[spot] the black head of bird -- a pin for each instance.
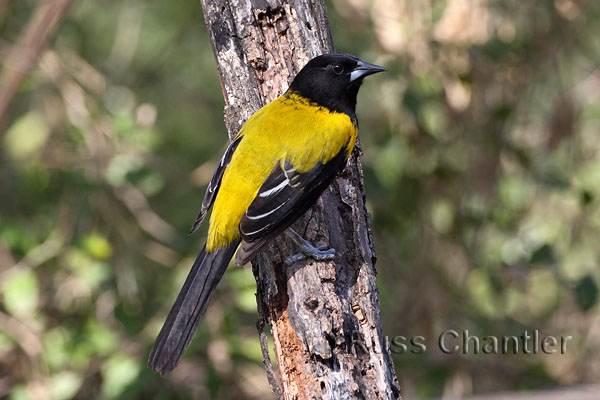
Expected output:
(332, 81)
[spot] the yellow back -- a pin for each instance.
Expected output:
(289, 128)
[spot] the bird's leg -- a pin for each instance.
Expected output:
(321, 253)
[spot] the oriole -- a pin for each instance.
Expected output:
(276, 167)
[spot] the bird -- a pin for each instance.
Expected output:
(276, 167)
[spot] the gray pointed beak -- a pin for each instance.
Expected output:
(363, 69)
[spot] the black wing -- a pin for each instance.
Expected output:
(283, 198)
(215, 182)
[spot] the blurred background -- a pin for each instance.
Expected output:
(482, 165)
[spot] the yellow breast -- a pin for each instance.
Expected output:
(289, 128)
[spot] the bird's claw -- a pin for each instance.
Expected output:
(319, 253)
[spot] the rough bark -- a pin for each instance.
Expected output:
(324, 316)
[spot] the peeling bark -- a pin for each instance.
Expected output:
(324, 316)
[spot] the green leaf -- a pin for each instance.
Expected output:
(433, 118)
(100, 339)
(26, 136)
(442, 216)
(390, 161)
(56, 353)
(543, 291)
(19, 392)
(588, 176)
(20, 292)
(64, 385)
(120, 166)
(91, 271)
(515, 192)
(482, 293)
(119, 372)
(98, 246)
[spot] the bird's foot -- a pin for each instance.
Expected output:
(320, 253)
(307, 250)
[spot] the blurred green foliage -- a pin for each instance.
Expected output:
(482, 166)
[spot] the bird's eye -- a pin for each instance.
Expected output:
(338, 69)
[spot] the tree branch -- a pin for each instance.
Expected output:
(26, 51)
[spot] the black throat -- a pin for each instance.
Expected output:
(333, 97)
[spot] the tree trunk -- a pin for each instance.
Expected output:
(324, 316)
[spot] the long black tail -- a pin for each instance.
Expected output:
(182, 321)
